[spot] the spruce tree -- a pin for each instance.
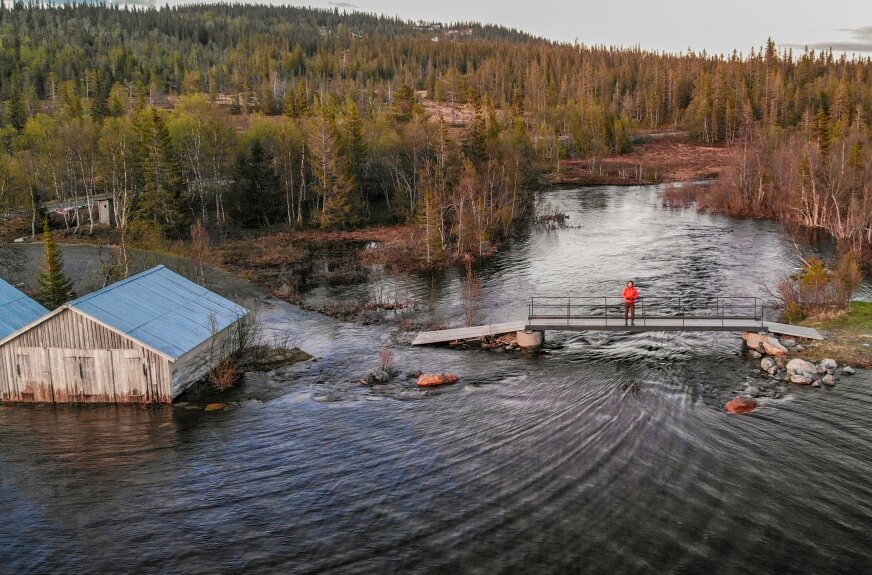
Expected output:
(55, 288)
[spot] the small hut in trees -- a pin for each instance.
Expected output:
(142, 340)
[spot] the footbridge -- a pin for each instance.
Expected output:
(604, 313)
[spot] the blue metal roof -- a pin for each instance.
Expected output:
(162, 310)
(16, 309)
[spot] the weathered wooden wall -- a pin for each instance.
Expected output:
(69, 358)
(195, 364)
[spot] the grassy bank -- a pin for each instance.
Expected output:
(848, 336)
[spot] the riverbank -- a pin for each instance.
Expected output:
(656, 159)
(848, 337)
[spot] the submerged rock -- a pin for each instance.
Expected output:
(740, 405)
(215, 407)
(434, 379)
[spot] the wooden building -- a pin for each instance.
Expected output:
(142, 340)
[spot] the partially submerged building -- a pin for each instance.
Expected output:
(145, 339)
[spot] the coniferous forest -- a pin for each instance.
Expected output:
(246, 117)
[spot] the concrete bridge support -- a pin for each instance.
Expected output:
(530, 339)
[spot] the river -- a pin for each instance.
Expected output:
(607, 454)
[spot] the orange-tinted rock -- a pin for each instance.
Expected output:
(433, 379)
(740, 405)
(215, 407)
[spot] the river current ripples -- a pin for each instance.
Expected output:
(610, 453)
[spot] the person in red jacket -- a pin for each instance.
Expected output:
(630, 295)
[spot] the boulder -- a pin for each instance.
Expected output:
(800, 366)
(740, 405)
(848, 370)
(829, 364)
(800, 349)
(800, 379)
(434, 379)
(769, 365)
(375, 376)
(828, 380)
(754, 340)
(772, 346)
(789, 343)
(815, 384)
(755, 354)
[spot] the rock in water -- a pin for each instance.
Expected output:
(829, 380)
(215, 407)
(377, 375)
(848, 370)
(434, 379)
(829, 364)
(740, 405)
(773, 347)
(754, 340)
(800, 366)
(800, 379)
(755, 354)
(769, 365)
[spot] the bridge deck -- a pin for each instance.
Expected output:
(615, 324)
(446, 335)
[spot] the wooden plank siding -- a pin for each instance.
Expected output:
(69, 358)
(196, 364)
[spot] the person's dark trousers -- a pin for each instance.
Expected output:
(630, 312)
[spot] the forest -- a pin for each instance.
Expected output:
(234, 118)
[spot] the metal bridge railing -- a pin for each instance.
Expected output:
(605, 307)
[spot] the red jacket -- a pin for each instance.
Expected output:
(630, 294)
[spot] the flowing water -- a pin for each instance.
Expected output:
(608, 454)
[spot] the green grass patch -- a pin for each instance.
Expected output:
(857, 318)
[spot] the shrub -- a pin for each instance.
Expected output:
(224, 375)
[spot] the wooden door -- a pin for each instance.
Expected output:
(130, 372)
(32, 375)
(88, 376)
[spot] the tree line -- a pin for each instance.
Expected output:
(244, 116)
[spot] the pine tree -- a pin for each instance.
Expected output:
(160, 200)
(55, 288)
(15, 111)
(354, 147)
(257, 188)
(404, 104)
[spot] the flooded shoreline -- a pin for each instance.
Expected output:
(609, 453)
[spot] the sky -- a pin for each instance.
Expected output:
(663, 25)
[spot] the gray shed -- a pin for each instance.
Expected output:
(142, 340)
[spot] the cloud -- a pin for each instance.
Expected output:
(860, 41)
(344, 5)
